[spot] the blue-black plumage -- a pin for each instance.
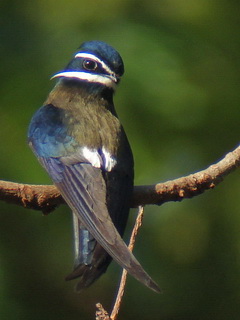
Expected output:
(79, 140)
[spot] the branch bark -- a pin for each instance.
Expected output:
(46, 197)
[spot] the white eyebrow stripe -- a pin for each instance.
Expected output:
(93, 57)
(108, 81)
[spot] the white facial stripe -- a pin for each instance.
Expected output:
(93, 57)
(108, 81)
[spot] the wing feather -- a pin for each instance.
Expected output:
(84, 189)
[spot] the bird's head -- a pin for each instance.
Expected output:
(95, 62)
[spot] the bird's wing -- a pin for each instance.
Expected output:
(83, 187)
(78, 173)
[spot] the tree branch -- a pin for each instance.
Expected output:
(101, 313)
(121, 289)
(46, 198)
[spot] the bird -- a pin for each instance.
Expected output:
(79, 140)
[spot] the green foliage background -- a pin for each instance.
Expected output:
(179, 103)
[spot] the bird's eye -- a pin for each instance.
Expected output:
(89, 64)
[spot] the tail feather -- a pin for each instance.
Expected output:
(87, 274)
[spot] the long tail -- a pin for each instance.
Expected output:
(91, 260)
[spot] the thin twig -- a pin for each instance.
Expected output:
(101, 313)
(121, 289)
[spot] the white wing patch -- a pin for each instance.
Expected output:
(105, 161)
(98, 159)
(92, 156)
(109, 160)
